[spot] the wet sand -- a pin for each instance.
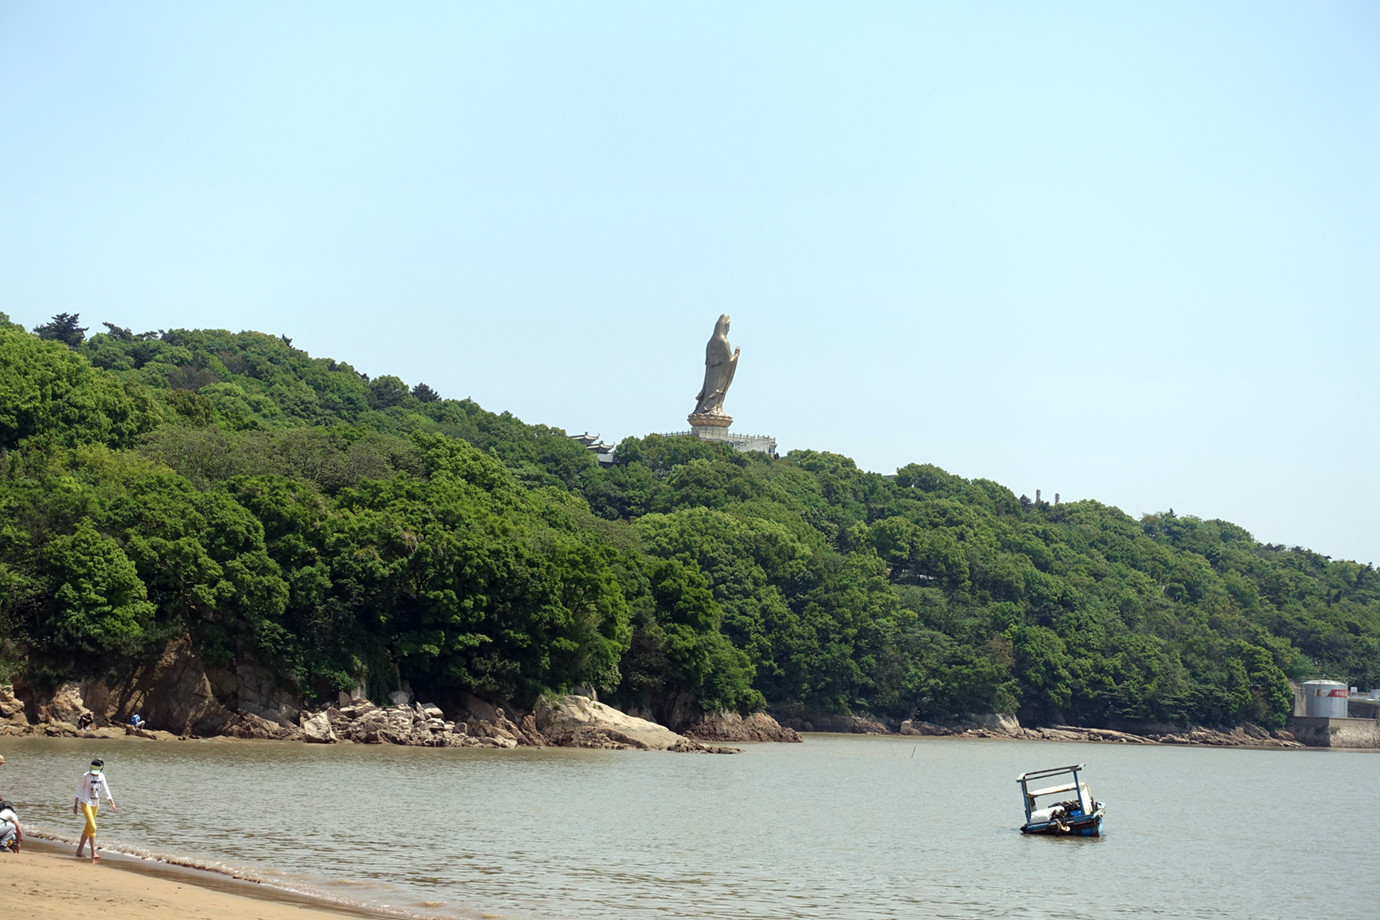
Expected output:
(46, 882)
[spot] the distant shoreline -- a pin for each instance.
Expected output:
(1247, 737)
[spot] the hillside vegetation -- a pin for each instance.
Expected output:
(287, 510)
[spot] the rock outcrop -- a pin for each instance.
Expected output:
(577, 721)
(416, 724)
(736, 729)
(13, 719)
(1242, 736)
(992, 725)
(252, 690)
(841, 723)
(174, 693)
(419, 725)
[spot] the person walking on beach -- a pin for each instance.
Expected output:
(89, 791)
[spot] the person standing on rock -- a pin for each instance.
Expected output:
(89, 790)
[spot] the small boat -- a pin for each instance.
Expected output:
(1051, 809)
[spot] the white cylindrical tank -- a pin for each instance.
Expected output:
(1324, 699)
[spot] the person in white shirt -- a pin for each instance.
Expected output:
(11, 834)
(89, 791)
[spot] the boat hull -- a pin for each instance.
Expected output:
(1089, 826)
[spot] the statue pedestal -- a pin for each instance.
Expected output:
(714, 427)
(711, 427)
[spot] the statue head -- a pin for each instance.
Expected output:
(721, 327)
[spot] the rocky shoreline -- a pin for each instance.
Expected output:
(181, 696)
(1243, 736)
(999, 726)
(565, 721)
(570, 721)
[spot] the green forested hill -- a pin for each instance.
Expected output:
(286, 509)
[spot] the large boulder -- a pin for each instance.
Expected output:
(316, 729)
(577, 721)
(993, 725)
(66, 704)
(13, 720)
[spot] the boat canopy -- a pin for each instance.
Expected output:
(1052, 771)
(1067, 787)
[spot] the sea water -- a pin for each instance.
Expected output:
(837, 828)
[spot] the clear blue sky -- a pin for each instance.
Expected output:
(1127, 252)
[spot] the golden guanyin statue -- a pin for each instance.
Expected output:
(719, 365)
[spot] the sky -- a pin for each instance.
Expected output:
(1111, 251)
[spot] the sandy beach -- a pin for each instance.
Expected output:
(46, 882)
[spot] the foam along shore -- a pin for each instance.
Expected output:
(45, 881)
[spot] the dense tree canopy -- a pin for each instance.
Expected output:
(50, 393)
(268, 506)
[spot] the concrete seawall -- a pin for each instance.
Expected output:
(1316, 731)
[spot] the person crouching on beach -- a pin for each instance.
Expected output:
(11, 833)
(89, 791)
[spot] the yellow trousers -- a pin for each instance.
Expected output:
(90, 812)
